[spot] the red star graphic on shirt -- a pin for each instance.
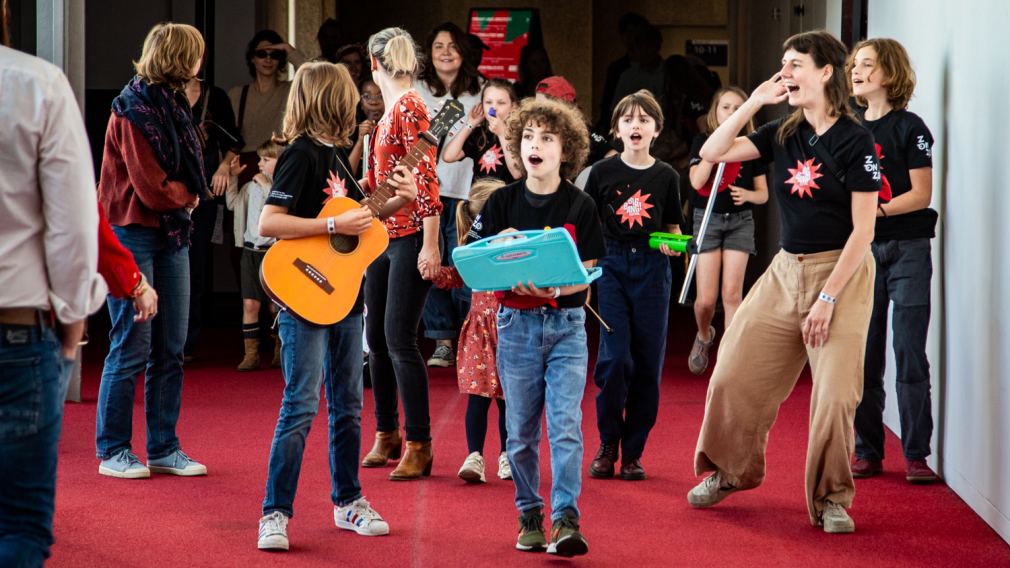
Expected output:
(635, 209)
(804, 177)
(491, 159)
(334, 188)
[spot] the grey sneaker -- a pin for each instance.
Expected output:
(472, 470)
(360, 517)
(273, 532)
(177, 463)
(836, 519)
(504, 468)
(697, 361)
(710, 491)
(125, 465)
(442, 357)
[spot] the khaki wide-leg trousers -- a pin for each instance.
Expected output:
(760, 359)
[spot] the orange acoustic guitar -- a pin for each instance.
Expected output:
(317, 278)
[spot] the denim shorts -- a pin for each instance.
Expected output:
(730, 231)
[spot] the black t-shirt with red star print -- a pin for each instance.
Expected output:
(724, 199)
(815, 206)
(632, 202)
(514, 206)
(307, 174)
(905, 144)
(484, 148)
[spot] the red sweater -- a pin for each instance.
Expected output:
(115, 262)
(133, 188)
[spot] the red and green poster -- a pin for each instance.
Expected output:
(506, 32)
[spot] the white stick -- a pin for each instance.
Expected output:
(699, 232)
(365, 147)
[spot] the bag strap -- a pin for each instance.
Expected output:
(241, 106)
(823, 155)
(348, 173)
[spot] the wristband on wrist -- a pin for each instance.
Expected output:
(557, 291)
(331, 225)
(824, 297)
(880, 208)
(140, 288)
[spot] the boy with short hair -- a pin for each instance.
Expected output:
(542, 349)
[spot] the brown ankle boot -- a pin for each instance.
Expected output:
(276, 363)
(251, 362)
(416, 462)
(388, 446)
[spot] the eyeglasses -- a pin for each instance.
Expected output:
(275, 55)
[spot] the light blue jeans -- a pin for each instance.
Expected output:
(542, 362)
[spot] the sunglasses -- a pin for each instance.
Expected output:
(275, 55)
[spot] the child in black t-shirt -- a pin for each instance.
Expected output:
(883, 82)
(483, 139)
(729, 237)
(313, 169)
(635, 195)
(542, 351)
(814, 301)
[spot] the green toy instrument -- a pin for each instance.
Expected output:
(677, 243)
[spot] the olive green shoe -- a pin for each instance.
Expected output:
(566, 540)
(531, 531)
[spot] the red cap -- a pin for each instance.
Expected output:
(557, 87)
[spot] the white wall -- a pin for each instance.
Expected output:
(962, 59)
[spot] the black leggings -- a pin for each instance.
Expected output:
(477, 408)
(394, 295)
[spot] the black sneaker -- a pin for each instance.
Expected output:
(531, 531)
(566, 540)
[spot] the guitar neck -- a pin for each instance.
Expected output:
(385, 191)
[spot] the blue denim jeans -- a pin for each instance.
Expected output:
(542, 362)
(904, 270)
(330, 355)
(443, 311)
(634, 299)
(31, 415)
(153, 347)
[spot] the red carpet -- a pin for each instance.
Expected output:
(228, 419)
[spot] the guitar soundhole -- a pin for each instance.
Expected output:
(344, 244)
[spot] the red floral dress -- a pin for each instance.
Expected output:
(476, 360)
(395, 135)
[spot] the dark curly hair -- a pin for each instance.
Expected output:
(555, 116)
(263, 35)
(467, 80)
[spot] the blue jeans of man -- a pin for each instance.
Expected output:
(443, 311)
(904, 270)
(31, 416)
(153, 347)
(542, 362)
(311, 355)
(394, 295)
(634, 299)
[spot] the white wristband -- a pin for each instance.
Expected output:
(824, 297)
(557, 291)
(331, 225)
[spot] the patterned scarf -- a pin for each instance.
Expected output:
(166, 120)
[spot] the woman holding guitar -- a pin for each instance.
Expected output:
(399, 280)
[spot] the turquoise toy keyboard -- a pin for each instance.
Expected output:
(545, 257)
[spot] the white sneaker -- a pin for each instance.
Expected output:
(273, 532)
(504, 469)
(360, 517)
(473, 469)
(836, 519)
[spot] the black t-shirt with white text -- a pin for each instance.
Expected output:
(514, 206)
(632, 202)
(306, 176)
(724, 199)
(815, 205)
(488, 156)
(905, 143)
